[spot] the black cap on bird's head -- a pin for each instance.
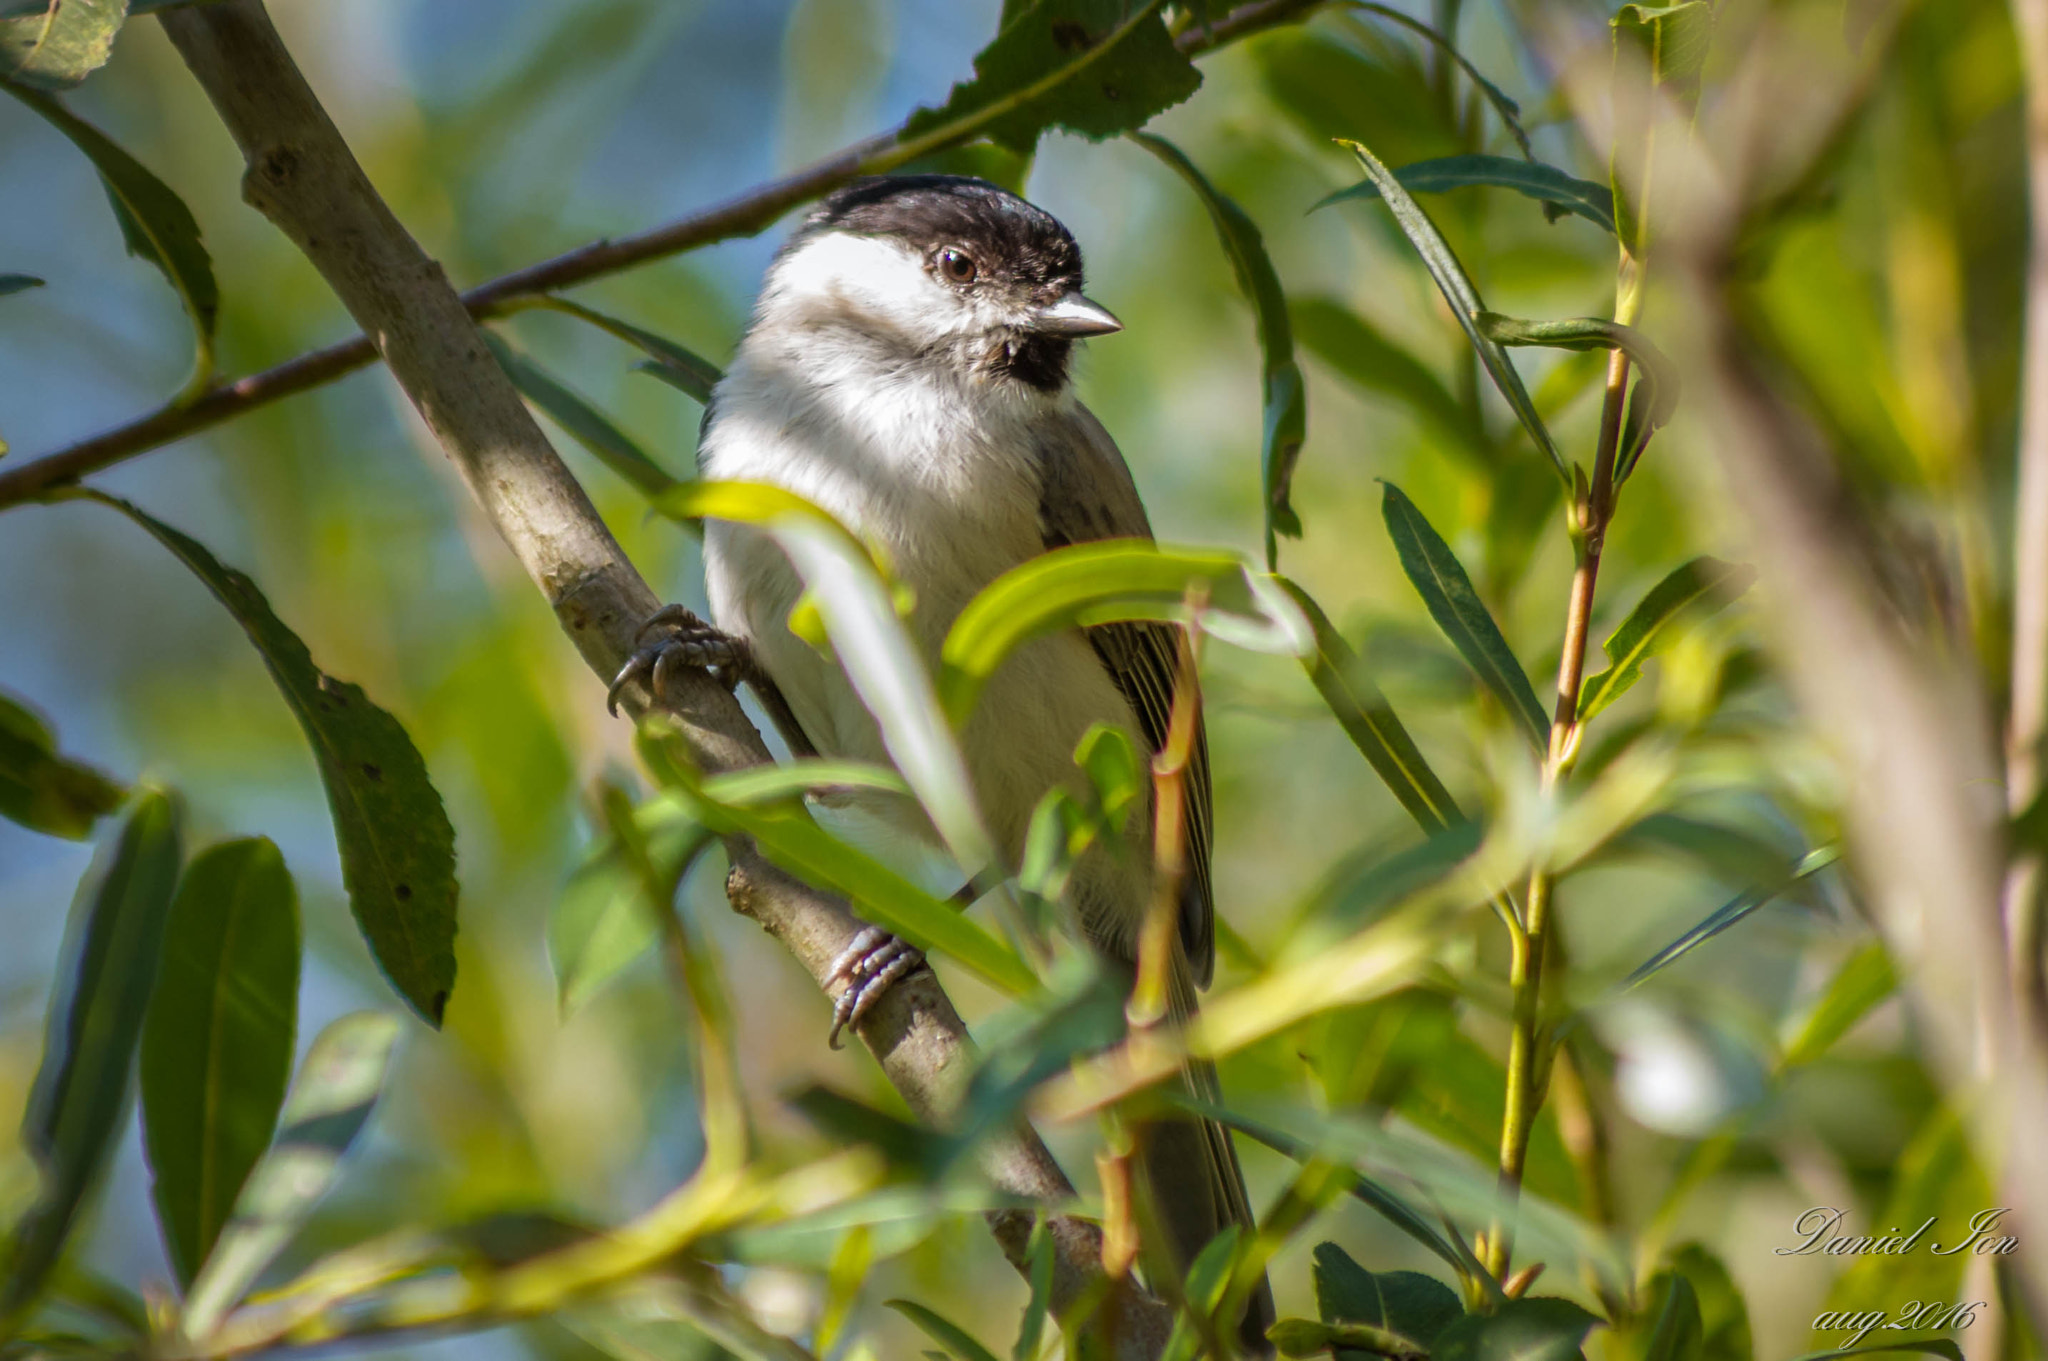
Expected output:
(1010, 265)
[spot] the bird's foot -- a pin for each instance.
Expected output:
(870, 966)
(684, 640)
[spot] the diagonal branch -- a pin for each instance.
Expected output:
(302, 176)
(751, 212)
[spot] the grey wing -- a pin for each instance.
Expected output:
(1086, 494)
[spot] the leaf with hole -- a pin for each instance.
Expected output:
(397, 847)
(1458, 291)
(77, 1106)
(573, 412)
(1533, 179)
(1285, 394)
(1690, 593)
(217, 1041)
(1445, 588)
(43, 790)
(55, 44)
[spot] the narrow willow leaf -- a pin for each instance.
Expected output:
(592, 428)
(604, 919)
(1095, 67)
(758, 785)
(42, 790)
(1865, 979)
(1106, 582)
(1509, 111)
(1691, 592)
(217, 1042)
(78, 1104)
(1370, 722)
(1285, 394)
(1735, 910)
(1040, 1261)
(1659, 52)
(1345, 1341)
(1458, 291)
(1541, 1328)
(1440, 579)
(330, 1103)
(681, 367)
(957, 1341)
(16, 283)
(397, 847)
(58, 43)
(1545, 183)
(1655, 397)
(154, 221)
(1354, 349)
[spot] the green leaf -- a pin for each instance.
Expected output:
(16, 283)
(397, 847)
(1286, 395)
(1370, 722)
(1095, 67)
(330, 1103)
(785, 780)
(1509, 111)
(1735, 910)
(59, 43)
(1440, 579)
(1346, 1341)
(1933, 1346)
(1356, 351)
(955, 1339)
(1691, 593)
(670, 362)
(1655, 397)
(1671, 1329)
(1458, 291)
(154, 221)
(1865, 979)
(77, 1106)
(1724, 1317)
(1545, 183)
(217, 1041)
(603, 920)
(40, 789)
(1105, 582)
(1404, 1302)
(592, 428)
(1541, 1328)
(1040, 1261)
(1659, 52)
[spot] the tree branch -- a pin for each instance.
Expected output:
(302, 176)
(751, 212)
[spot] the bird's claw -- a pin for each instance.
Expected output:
(685, 640)
(870, 966)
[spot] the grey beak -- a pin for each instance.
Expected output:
(1074, 315)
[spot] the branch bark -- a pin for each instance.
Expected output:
(749, 213)
(301, 175)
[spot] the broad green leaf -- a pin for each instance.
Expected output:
(1095, 67)
(1690, 593)
(672, 363)
(1458, 291)
(1040, 1261)
(1440, 579)
(1865, 979)
(1406, 1302)
(397, 847)
(603, 920)
(56, 44)
(957, 1341)
(1545, 183)
(1735, 910)
(592, 428)
(1370, 722)
(40, 789)
(1724, 1316)
(1345, 1341)
(869, 641)
(16, 283)
(1541, 1328)
(155, 223)
(1354, 349)
(1509, 111)
(217, 1041)
(329, 1104)
(1286, 396)
(1100, 583)
(78, 1104)
(1935, 1346)
(1655, 396)
(1670, 1329)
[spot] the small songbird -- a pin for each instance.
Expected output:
(909, 369)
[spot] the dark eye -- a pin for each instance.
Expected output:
(957, 265)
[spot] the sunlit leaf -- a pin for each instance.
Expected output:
(1688, 594)
(329, 1104)
(397, 847)
(1356, 350)
(217, 1042)
(1546, 183)
(154, 221)
(1285, 394)
(1095, 67)
(1540, 1328)
(76, 1108)
(592, 428)
(42, 790)
(58, 43)
(1655, 397)
(1100, 583)
(758, 785)
(957, 1341)
(1865, 979)
(1458, 291)
(1440, 579)
(1735, 910)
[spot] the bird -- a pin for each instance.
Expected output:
(908, 367)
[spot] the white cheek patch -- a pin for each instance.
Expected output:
(868, 281)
